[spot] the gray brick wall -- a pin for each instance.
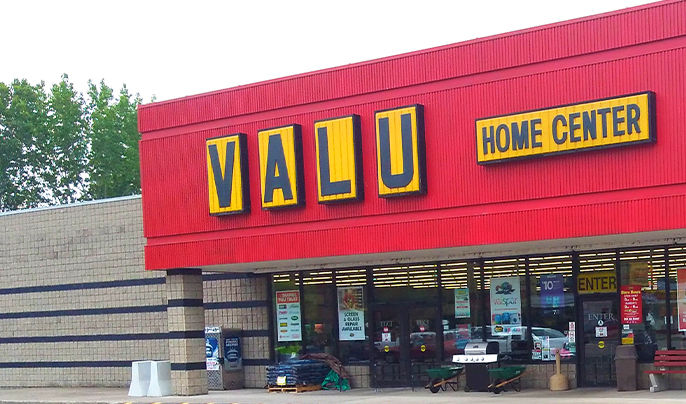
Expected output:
(67, 302)
(48, 315)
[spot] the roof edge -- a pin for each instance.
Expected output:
(414, 53)
(70, 205)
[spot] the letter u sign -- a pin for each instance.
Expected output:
(400, 151)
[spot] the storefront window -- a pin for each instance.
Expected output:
(506, 300)
(461, 311)
(352, 301)
(288, 316)
(645, 269)
(319, 312)
(551, 283)
(677, 261)
(528, 305)
(412, 284)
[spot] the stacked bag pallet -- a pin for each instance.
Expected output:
(297, 372)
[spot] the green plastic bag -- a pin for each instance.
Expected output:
(334, 382)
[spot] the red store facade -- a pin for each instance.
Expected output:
(409, 185)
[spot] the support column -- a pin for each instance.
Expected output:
(186, 319)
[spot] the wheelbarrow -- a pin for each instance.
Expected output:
(506, 377)
(443, 377)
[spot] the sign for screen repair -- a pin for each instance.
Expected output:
(596, 282)
(609, 122)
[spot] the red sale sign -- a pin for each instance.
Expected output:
(632, 304)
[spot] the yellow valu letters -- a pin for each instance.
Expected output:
(339, 175)
(604, 123)
(281, 172)
(400, 151)
(227, 174)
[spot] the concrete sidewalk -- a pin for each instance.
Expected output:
(357, 396)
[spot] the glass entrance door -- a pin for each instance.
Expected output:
(391, 362)
(424, 352)
(601, 330)
(405, 344)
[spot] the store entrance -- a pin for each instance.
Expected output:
(405, 344)
(600, 337)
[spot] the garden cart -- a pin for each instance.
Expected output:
(441, 378)
(506, 377)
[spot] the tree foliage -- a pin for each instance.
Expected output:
(113, 169)
(58, 147)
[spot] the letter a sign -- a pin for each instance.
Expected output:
(281, 167)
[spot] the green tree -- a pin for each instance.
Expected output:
(65, 148)
(113, 160)
(23, 129)
(57, 147)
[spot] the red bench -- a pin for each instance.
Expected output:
(666, 362)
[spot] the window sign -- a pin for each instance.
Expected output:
(596, 282)
(288, 316)
(681, 297)
(552, 290)
(351, 314)
(506, 306)
(601, 332)
(462, 303)
(632, 304)
(545, 351)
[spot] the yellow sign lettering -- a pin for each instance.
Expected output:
(604, 123)
(339, 175)
(281, 172)
(227, 174)
(400, 151)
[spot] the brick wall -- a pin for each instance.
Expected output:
(537, 376)
(242, 303)
(77, 306)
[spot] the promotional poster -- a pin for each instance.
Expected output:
(462, 303)
(506, 306)
(351, 314)
(288, 316)
(552, 290)
(211, 353)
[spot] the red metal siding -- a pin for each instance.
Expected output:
(598, 192)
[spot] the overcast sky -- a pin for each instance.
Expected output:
(171, 49)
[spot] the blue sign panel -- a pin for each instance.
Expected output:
(211, 348)
(552, 290)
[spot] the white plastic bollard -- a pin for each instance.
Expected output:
(160, 379)
(140, 378)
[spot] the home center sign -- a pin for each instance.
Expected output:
(609, 122)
